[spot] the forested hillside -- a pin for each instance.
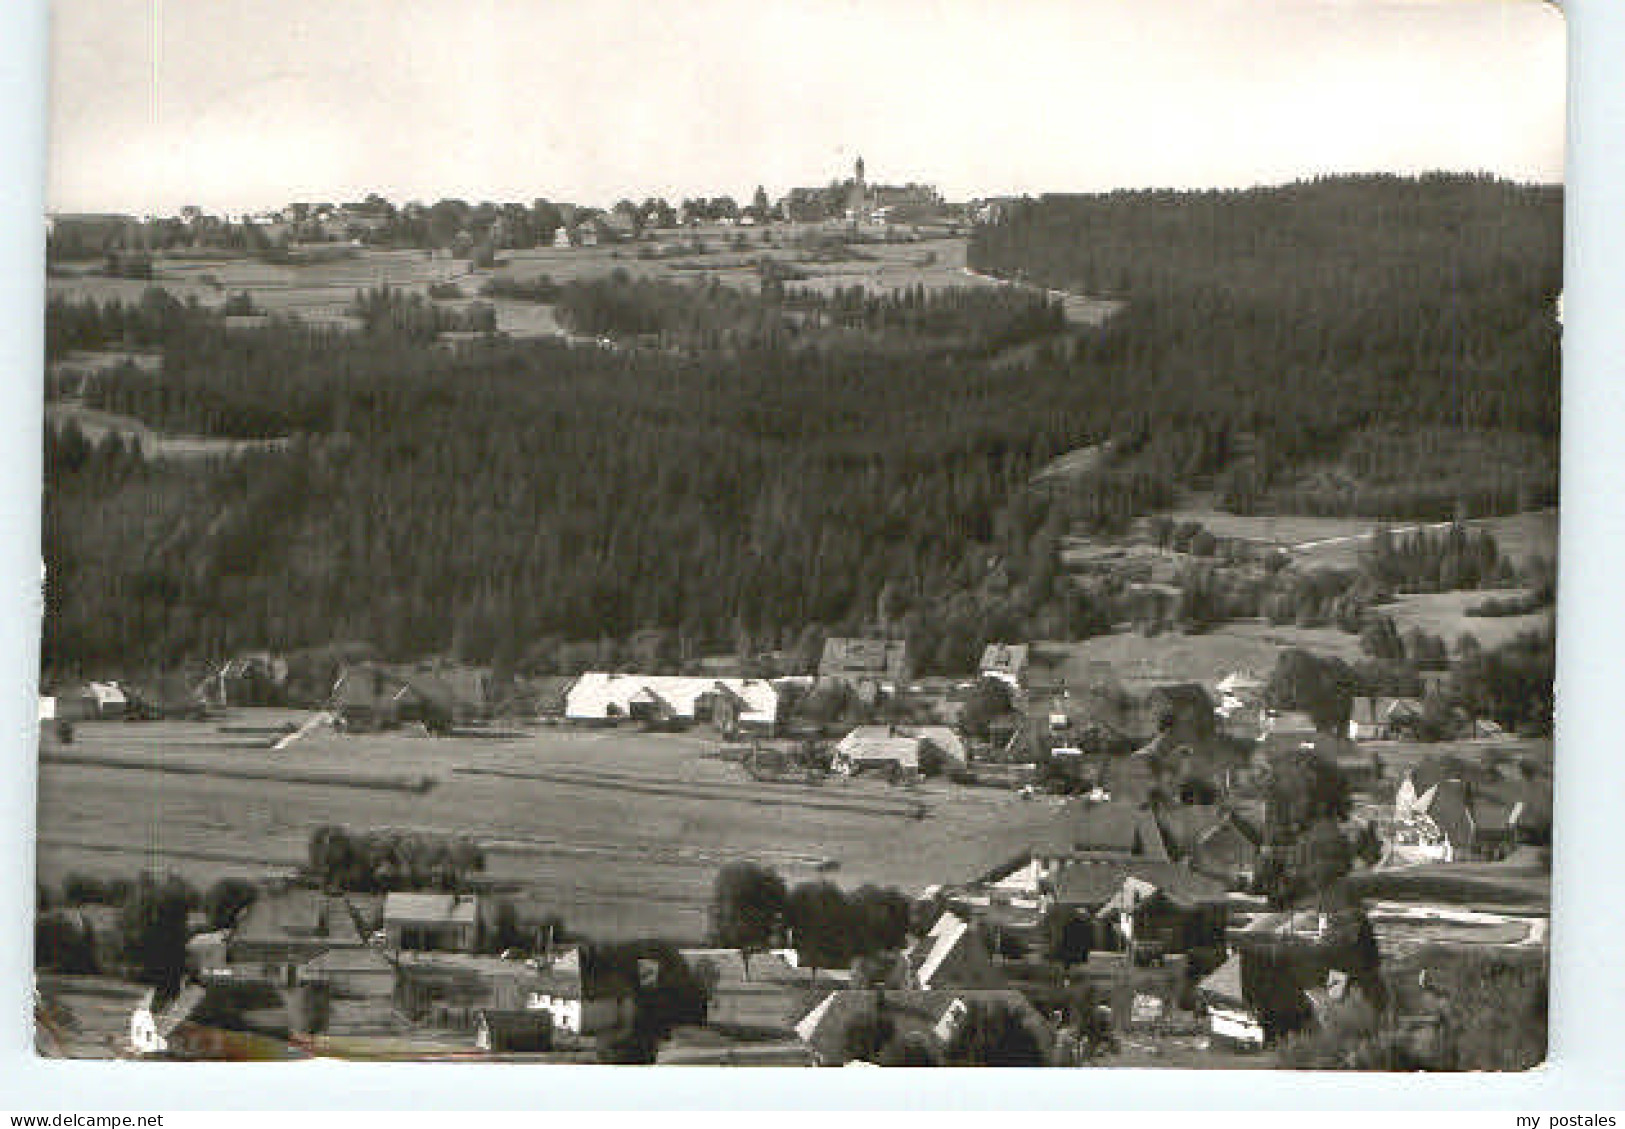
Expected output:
(1278, 325)
(509, 495)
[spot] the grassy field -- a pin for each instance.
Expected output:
(96, 425)
(1337, 542)
(322, 291)
(1445, 614)
(621, 832)
(1141, 662)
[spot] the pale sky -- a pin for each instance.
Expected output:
(244, 104)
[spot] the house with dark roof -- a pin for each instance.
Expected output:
(951, 955)
(1213, 840)
(869, 665)
(1091, 884)
(350, 974)
(1381, 719)
(1227, 850)
(934, 1016)
(283, 930)
(431, 922)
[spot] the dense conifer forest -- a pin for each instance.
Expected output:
(800, 462)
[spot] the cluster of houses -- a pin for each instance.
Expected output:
(324, 966)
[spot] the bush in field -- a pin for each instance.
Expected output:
(63, 945)
(1322, 687)
(226, 899)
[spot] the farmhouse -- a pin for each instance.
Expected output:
(1239, 690)
(431, 922)
(366, 696)
(1227, 850)
(1149, 922)
(447, 989)
(876, 748)
(1119, 885)
(736, 705)
(371, 695)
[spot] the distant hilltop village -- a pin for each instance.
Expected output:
(375, 221)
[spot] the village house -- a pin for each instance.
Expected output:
(578, 1002)
(1238, 690)
(373, 695)
(896, 749)
(431, 922)
(447, 990)
(1286, 726)
(1381, 719)
(281, 931)
(350, 974)
(1149, 923)
(1006, 662)
(509, 1031)
(951, 955)
(1227, 849)
(1232, 1021)
(874, 667)
(764, 996)
(95, 701)
(217, 1022)
(734, 705)
(879, 749)
(934, 1015)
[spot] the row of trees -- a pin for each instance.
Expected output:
(382, 860)
(153, 926)
(752, 908)
(1511, 684)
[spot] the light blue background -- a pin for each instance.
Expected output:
(1587, 1068)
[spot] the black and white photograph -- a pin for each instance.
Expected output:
(801, 533)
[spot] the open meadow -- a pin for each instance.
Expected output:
(1337, 542)
(322, 291)
(621, 831)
